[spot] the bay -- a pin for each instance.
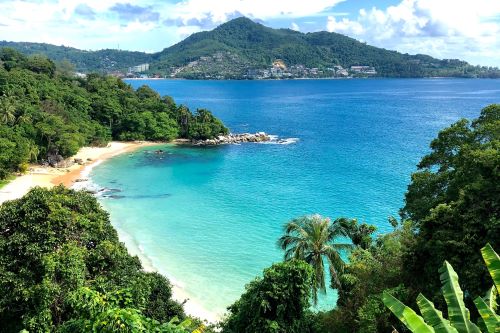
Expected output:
(208, 218)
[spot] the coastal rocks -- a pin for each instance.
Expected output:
(57, 161)
(233, 138)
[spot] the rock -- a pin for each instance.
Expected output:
(79, 180)
(78, 161)
(233, 138)
(57, 161)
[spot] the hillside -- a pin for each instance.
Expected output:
(102, 61)
(240, 45)
(243, 49)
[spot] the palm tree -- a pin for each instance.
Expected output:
(311, 238)
(7, 110)
(360, 234)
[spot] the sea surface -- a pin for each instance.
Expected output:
(208, 218)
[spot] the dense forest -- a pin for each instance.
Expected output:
(46, 114)
(101, 61)
(240, 45)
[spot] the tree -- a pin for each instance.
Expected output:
(312, 239)
(278, 302)
(360, 234)
(55, 242)
(7, 110)
(453, 203)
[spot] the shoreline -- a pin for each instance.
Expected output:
(191, 307)
(48, 177)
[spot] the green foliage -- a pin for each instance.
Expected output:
(368, 273)
(459, 321)
(56, 243)
(48, 117)
(102, 61)
(453, 202)
(312, 239)
(112, 312)
(278, 302)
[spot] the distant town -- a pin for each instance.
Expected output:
(200, 69)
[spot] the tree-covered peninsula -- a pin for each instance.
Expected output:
(46, 113)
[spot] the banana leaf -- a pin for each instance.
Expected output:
(492, 261)
(434, 317)
(413, 321)
(490, 319)
(491, 298)
(458, 314)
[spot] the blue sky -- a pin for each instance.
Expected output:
(461, 29)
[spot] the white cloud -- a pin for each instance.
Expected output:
(444, 28)
(294, 26)
(221, 10)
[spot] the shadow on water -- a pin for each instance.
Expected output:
(115, 193)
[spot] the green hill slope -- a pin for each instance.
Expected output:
(241, 44)
(103, 61)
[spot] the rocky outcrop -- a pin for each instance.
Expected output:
(233, 138)
(57, 161)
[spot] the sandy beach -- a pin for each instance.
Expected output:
(49, 177)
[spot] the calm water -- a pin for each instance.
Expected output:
(208, 218)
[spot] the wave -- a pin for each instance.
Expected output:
(276, 140)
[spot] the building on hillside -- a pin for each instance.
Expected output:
(139, 68)
(363, 70)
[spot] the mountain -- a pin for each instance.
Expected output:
(85, 61)
(242, 49)
(241, 44)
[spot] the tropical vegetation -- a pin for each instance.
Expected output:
(63, 269)
(432, 320)
(312, 239)
(46, 115)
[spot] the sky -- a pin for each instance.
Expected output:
(452, 29)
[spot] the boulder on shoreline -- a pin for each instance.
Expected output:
(233, 138)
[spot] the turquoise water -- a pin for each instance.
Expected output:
(209, 218)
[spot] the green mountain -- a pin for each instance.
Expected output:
(102, 61)
(242, 49)
(241, 44)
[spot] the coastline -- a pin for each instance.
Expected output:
(191, 307)
(49, 177)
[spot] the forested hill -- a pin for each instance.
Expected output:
(243, 49)
(46, 114)
(102, 61)
(241, 44)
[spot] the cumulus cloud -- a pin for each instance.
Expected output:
(445, 28)
(294, 26)
(220, 11)
(85, 11)
(128, 12)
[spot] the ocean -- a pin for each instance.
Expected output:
(208, 218)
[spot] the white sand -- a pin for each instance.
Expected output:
(49, 177)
